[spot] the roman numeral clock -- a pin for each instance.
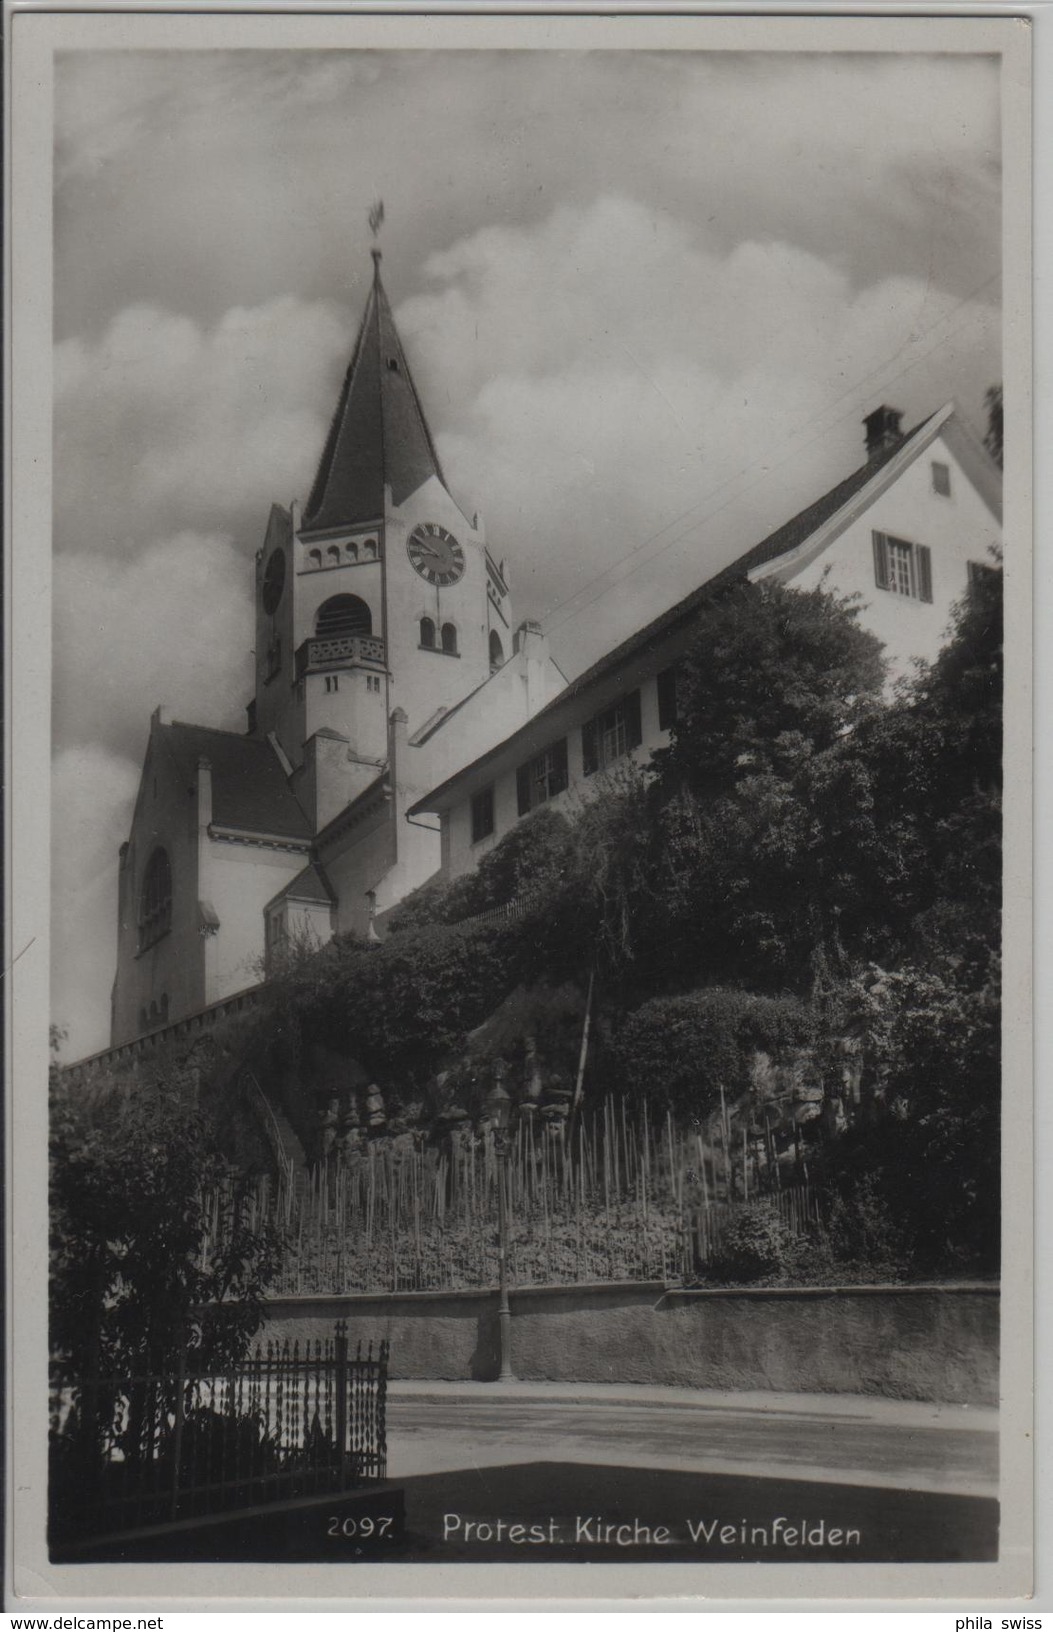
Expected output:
(435, 554)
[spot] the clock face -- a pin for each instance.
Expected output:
(273, 581)
(435, 554)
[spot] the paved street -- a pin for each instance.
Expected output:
(599, 1471)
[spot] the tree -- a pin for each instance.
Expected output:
(139, 1273)
(771, 673)
(763, 794)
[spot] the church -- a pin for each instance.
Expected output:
(403, 721)
(387, 655)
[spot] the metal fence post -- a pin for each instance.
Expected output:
(177, 1433)
(341, 1385)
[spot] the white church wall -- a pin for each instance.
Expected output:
(424, 680)
(242, 879)
(167, 975)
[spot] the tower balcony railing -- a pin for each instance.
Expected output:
(339, 652)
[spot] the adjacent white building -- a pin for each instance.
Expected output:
(905, 532)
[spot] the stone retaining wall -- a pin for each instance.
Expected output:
(904, 1342)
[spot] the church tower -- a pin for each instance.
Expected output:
(385, 658)
(379, 596)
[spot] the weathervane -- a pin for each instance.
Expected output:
(376, 218)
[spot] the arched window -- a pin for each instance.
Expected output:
(427, 633)
(315, 557)
(449, 637)
(352, 551)
(369, 550)
(497, 651)
(343, 615)
(333, 552)
(155, 899)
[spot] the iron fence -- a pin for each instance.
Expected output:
(292, 1420)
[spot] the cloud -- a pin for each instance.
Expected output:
(200, 179)
(646, 297)
(174, 625)
(92, 792)
(611, 379)
(162, 423)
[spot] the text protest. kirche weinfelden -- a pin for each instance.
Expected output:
(594, 1530)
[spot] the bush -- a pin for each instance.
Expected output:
(756, 1248)
(678, 1052)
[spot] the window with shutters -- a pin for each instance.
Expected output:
(482, 814)
(666, 685)
(902, 568)
(611, 734)
(541, 778)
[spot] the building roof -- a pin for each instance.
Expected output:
(783, 541)
(788, 537)
(378, 435)
(249, 789)
(308, 885)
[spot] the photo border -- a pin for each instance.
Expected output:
(33, 33)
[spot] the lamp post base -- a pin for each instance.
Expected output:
(504, 1336)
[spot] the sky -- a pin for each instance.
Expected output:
(647, 299)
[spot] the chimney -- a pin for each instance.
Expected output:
(532, 644)
(883, 432)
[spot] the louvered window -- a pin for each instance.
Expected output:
(611, 734)
(902, 568)
(343, 615)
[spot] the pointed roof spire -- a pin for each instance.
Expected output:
(379, 434)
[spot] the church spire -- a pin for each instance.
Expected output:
(379, 435)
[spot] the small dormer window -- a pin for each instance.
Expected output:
(393, 365)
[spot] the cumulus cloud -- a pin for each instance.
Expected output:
(647, 299)
(162, 423)
(174, 625)
(613, 381)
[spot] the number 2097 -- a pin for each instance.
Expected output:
(364, 1527)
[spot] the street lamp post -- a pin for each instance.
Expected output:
(499, 1109)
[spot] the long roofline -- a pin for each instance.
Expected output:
(860, 487)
